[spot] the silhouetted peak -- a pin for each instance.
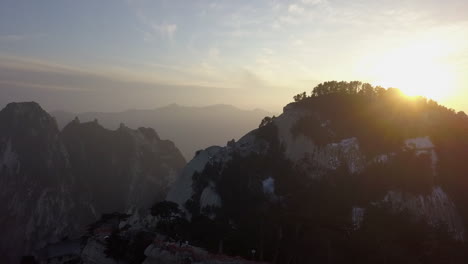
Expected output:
(76, 125)
(92, 124)
(149, 133)
(26, 114)
(24, 108)
(123, 128)
(171, 106)
(222, 107)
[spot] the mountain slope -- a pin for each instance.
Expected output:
(52, 183)
(352, 174)
(192, 128)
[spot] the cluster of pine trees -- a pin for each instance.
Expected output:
(353, 87)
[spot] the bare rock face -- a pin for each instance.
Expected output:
(36, 199)
(52, 183)
(435, 207)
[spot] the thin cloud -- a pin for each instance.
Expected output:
(313, 2)
(18, 37)
(165, 30)
(35, 65)
(153, 29)
(295, 9)
(213, 53)
(11, 38)
(42, 86)
(298, 42)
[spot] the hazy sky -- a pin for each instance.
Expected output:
(104, 55)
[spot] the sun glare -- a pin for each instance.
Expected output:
(417, 71)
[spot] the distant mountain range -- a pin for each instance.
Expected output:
(190, 128)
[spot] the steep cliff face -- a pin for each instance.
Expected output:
(52, 183)
(324, 167)
(36, 196)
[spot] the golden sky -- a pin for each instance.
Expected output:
(253, 54)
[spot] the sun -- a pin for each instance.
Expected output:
(416, 70)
